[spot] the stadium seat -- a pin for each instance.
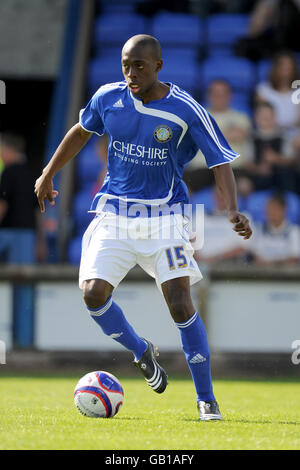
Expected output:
(239, 72)
(218, 52)
(112, 29)
(206, 196)
(107, 68)
(81, 206)
(74, 250)
(103, 70)
(185, 76)
(257, 203)
(223, 30)
(243, 203)
(180, 29)
(89, 166)
(242, 102)
(104, 52)
(262, 70)
(180, 54)
(293, 207)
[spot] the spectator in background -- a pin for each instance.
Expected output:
(273, 164)
(245, 187)
(220, 242)
(235, 126)
(21, 231)
(274, 24)
(277, 241)
(278, 91)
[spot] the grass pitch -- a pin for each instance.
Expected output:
(38, 413)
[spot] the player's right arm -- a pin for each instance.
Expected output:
(70, 146)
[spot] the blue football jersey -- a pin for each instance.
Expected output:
(149, 144)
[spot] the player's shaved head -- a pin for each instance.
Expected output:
(143, 41)
(141, 63)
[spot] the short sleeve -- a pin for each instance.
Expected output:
(90, 117)
(207, 136)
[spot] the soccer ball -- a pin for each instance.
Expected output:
(98, 394)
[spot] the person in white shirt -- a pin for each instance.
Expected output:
(277, 241)
(278, 91)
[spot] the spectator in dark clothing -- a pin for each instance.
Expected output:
(21, 233)
(278, 90)
(274, 25)
(205, 8)
(273, 163)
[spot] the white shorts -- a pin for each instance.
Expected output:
(112, 245)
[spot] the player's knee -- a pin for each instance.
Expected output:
(96, 292)
(180, 307)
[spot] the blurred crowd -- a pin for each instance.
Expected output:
(267, 171)
(267, 139)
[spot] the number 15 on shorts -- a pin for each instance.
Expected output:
(176, 258)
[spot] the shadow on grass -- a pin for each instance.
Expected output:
(244, 421)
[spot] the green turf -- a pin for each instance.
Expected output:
(38, 413)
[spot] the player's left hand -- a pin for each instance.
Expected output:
(241, 224)
(44, 190)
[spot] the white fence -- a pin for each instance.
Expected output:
(241, 315)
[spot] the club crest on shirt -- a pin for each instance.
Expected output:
(163, 133)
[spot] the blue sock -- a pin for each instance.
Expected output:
(196, 350)
(114, 324)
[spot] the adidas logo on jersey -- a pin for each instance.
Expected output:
(118, 104)
(196, 359)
